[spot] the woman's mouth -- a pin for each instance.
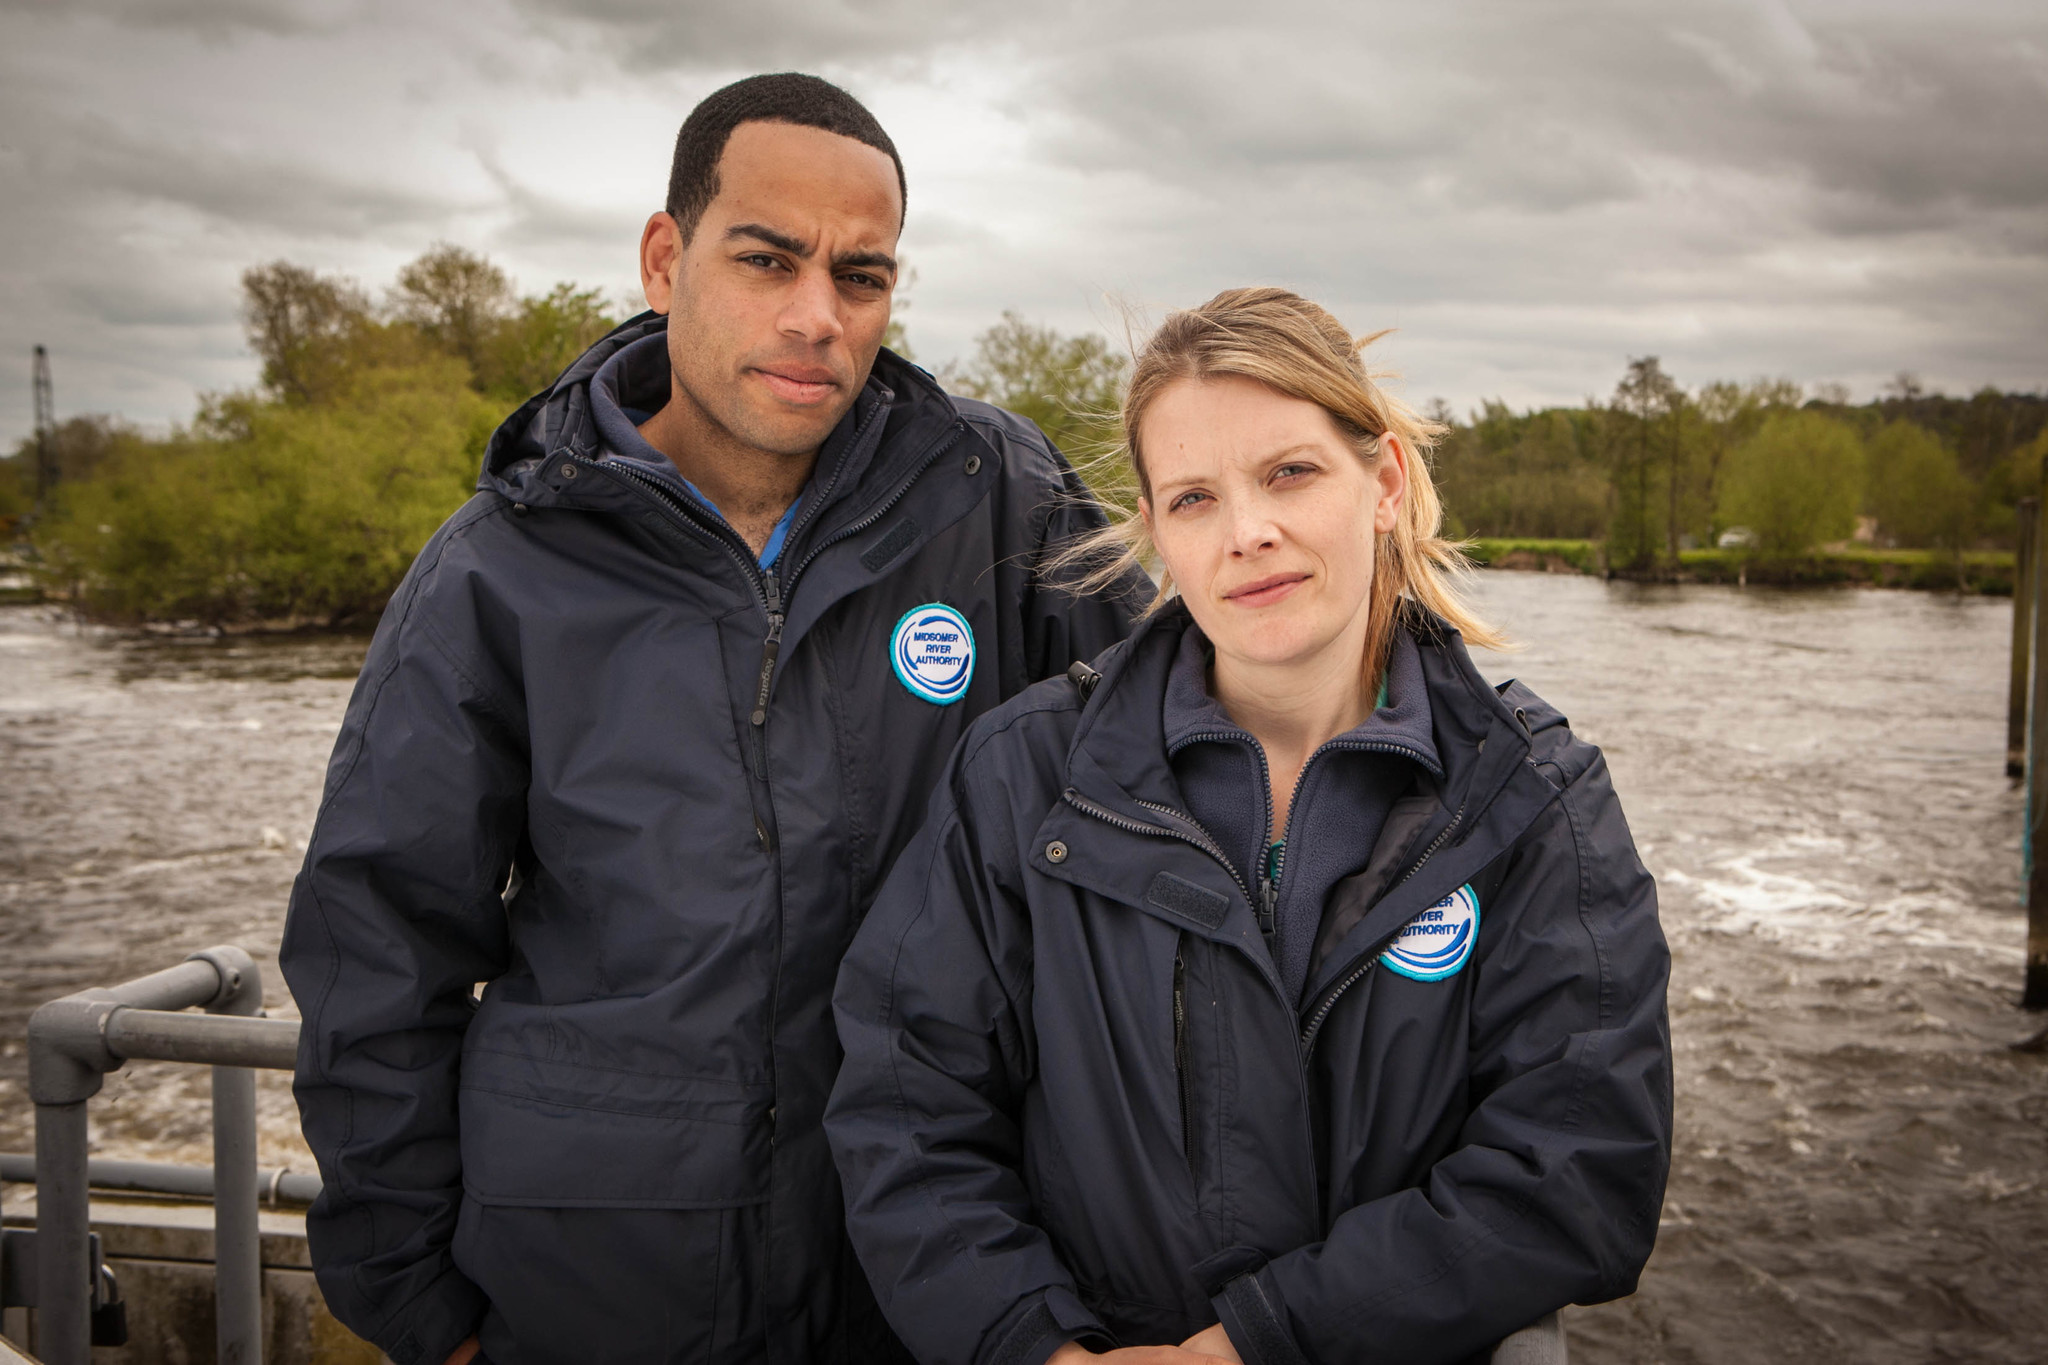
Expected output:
(1264, 592)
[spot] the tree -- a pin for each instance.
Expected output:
(300, 324)
(1731, 414)
(1533, 474)
(1919, 493)
(457, 299)
(1795, 483)
(543, 336)
(1070, 386)
(1644, 399)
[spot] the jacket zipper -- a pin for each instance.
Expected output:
(771, 589)
(1180, 1057)
(1267, 902)
(1371, 955)
(774, 593)
(1199, 837)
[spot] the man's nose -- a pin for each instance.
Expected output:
(812, 311)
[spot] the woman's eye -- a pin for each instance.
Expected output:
(1287, 471)
(1187, 500)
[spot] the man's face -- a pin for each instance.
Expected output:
(778, 303)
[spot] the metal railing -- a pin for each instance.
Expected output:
(72, 1044)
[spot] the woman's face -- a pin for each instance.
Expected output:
(1265, 516)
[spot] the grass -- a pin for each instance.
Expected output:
(1983, 571)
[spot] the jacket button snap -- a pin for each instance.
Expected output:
(1055, 852)
(568, 471)
(973, 465)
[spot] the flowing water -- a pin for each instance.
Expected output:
(1815, 778)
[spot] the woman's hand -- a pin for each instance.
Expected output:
(1212, 1343)
(1074, 1353)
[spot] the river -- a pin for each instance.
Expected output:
(1816, 778)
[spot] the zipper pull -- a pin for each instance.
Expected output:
(1269, 902)
(770, 647)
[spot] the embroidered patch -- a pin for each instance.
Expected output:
(1437, 942)
(932, 652)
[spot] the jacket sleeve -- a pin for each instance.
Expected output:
(933, 1011)
(394, 918)
(1553, 1193)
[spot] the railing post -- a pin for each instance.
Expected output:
(63, 1227)
(2022, 632)
(237, 1235)
(2035, 995)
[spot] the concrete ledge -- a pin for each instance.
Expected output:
(161, 1252)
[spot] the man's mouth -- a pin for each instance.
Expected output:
(1264, 592)
(799, 384)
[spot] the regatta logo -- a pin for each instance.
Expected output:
(1437, 942)
(932, 652)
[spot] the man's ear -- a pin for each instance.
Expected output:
(1392, 478)
(661, 251)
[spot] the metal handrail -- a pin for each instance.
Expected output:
(72, 1044)
(273, 1187)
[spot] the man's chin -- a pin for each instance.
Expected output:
(791, 433)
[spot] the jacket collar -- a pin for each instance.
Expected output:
(1120, 788)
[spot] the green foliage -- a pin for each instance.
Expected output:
(539, 339)
(1552, 555)
(1919, 493)
(457, 300)
(1796, 483)
(1534, 475)
(17, 493)
(306, 501)
(312, 514)
(306, 328)
(1070, 386)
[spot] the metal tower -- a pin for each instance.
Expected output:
(46, 429)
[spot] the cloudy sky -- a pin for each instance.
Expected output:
(1530, 191)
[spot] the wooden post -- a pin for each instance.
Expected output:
(2022, 631)
(2035, 995)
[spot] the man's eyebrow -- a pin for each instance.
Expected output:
(782, 241)
(873, 260)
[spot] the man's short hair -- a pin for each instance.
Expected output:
(785, 97)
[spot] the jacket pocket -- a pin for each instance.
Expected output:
(550, 1132)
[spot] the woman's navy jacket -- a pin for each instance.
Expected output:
(575, 686)
(1075, 1102)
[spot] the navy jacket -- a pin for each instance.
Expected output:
(1077, 1103)
(598, 760)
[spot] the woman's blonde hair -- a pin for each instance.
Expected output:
(1296, 348)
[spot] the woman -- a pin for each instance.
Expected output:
(1282, 991)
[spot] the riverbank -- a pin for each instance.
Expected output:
(1983, 572)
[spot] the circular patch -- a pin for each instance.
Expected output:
(1437, 942)
(932, 651)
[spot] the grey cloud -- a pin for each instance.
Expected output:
(769, 34)
(212, 19)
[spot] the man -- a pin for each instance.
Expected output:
(635, 743)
